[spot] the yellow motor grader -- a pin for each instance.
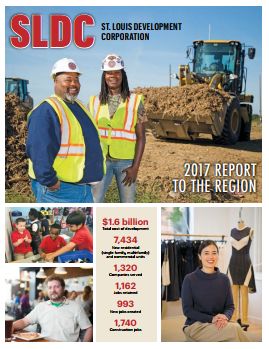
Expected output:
(221, 65)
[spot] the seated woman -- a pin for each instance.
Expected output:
(208, 303)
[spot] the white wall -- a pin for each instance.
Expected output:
(255, 302)
(209, 220)
(220, 220)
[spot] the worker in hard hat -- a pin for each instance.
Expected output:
(120, 117)
(63, 144)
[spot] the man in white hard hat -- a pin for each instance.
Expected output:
(120, 117)
(63, 143)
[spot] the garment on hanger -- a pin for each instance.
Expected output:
(165, 269)
(184, 252)
(183, 259)
(172, 291)
(240, 268)
(223, 259)
(195, 247)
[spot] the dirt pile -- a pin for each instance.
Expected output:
(16, 161)
(191, 102)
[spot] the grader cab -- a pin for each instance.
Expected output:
(19, 87)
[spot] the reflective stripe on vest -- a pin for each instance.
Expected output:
(96, 106)
(66, 148)
(117, 134)
(129, 119)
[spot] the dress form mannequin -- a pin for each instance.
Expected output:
(241, 271)
(240, 294)
(241, 224)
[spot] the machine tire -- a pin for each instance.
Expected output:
(232, 124)
(246, 127)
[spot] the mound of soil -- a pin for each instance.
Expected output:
(195, 102)
(16, 165)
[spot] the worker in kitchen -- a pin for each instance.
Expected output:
(59, 318)
(63, 143)
(82, 239)
(121, 119)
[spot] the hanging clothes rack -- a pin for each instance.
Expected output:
(196, 235)
(183, 256)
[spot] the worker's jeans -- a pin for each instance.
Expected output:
(67, 192)
(115, 168)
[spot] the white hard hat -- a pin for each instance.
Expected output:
(64, 65)
(112, 62)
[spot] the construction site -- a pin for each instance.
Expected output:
(208, 118)
(161, 162)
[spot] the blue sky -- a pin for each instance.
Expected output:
(147, 62)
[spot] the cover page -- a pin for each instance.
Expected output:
(132, 209)
(183, 123)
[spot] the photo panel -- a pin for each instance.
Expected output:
(211, 274)
(49, 234)
(48, 304)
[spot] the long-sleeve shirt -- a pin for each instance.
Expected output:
(44, 140)
(206, 295)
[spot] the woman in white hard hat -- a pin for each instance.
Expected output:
(120, 117)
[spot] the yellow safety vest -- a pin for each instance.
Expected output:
(117, 133)
(70, 161)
